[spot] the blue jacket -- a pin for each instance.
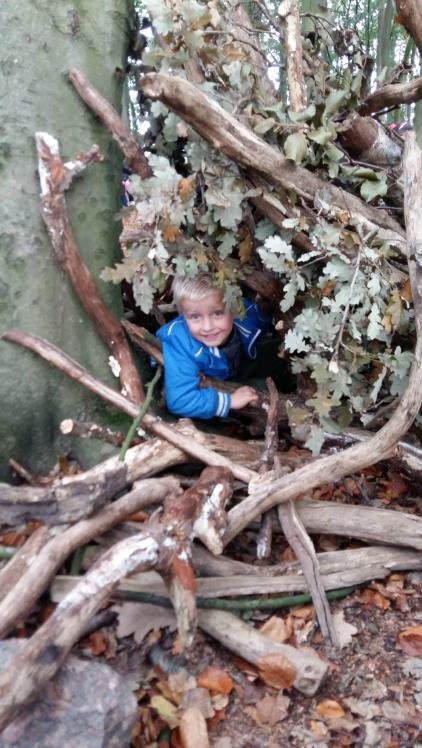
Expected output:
(185, 358)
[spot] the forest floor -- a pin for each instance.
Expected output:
(372, 695)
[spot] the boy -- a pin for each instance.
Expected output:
(207, 338)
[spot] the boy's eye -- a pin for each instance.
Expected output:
(219, 313)
(194, 316)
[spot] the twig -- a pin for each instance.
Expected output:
(147, 402)
(264, 542)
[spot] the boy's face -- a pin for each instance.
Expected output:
(207, 319)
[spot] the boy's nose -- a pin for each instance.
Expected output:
(207, 323)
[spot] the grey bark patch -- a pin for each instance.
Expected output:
(86, 705)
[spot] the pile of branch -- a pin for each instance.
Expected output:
(75, 510)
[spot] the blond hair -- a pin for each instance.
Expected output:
(193, 289)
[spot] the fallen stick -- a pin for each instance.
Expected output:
(304, 550)
(41, 656)
(361, 522)
(55, 178)
(23, 595)
(292, 666)
(76, 496)
(354, 570)
(264, 539)
(389, 557)
(161, 545)
(88, 430)
(24, 557)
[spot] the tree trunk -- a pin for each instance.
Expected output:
(43, 41)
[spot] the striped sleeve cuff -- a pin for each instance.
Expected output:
(223, 404)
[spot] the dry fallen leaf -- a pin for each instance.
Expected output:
(193, 729)
(276, 670)
(181, 681)
(215, 680)
(200, 698)
(330, 709)
(277, 629)
(166, 710)
(138, 619)
(370, 599)
(272, 709)
(344, 630)
(401, 713)
(411, 640)
(304, 612)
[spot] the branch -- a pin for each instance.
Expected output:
(410, 13)
(62, 361)
(21, 598)
(162, 545)
(289, 12)
(384, 443)
(238, 142)
(54, 178)
(392, 96)
(127, 143)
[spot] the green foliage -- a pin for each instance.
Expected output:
(348, 319)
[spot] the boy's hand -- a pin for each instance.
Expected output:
(242, 397)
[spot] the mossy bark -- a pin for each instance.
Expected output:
(44, 40)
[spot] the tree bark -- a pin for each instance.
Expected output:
(410, 12)
(46, 40)
(366, 140)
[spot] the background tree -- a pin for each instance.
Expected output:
(43, 41)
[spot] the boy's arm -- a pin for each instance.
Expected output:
(183, 394)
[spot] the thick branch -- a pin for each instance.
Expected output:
(384, 443)
(53, 208)
(164, 546)
(127, 143)
(19, 601)
(76, 496)
(410, 12)
(259, 649)
(365, 139)
(289, 12)
(237, 141)
(391, 96)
